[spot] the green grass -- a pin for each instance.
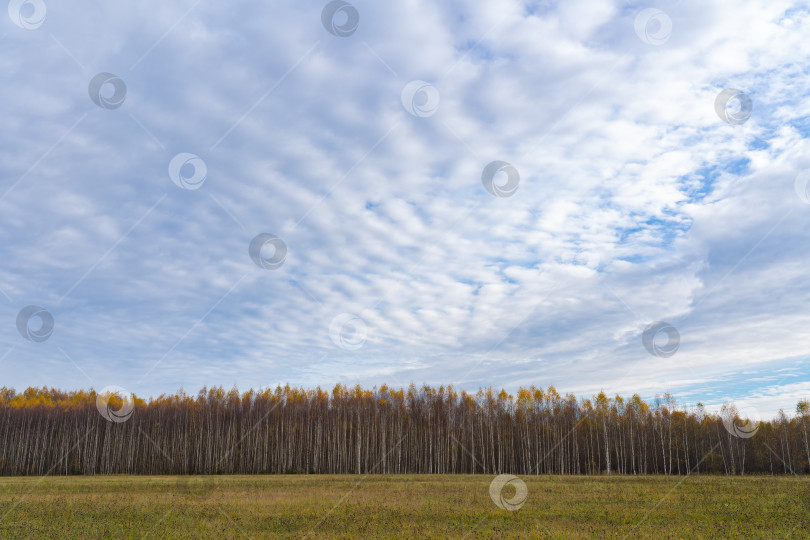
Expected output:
(389, 506)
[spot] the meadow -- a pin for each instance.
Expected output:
(402, 506)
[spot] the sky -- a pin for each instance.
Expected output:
(587, 194)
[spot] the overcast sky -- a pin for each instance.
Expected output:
(147, 146)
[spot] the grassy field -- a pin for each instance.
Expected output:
(294, 506)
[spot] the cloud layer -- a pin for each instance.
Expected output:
(636, 202)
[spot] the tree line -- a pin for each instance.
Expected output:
(388, 430)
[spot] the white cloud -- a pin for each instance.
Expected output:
(636, 202)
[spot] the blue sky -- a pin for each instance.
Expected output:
(363, 154)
